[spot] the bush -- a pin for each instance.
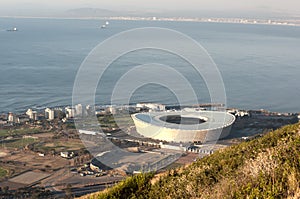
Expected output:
(266, 167)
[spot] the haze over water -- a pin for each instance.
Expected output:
(260, 64)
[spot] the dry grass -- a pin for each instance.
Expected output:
(267, 167)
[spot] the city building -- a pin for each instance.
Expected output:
(78, 110)
(24, 118)
(58, 113)
(11, 117)
(70, 112)
(100, 111)
(151, 106)
(111, 110)
(49, 114)
(29, 112)
(34, 115)
(90, 110)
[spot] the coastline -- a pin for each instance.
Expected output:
(248, 21)
(206, 106)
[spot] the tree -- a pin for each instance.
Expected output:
(5, 189)
(68, 192)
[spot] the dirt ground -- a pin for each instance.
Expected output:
(31, 160)
(24, 162)
(190, 157)
(29, 177)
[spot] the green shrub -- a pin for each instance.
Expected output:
(275, 158)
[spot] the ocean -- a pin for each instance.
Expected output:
(259, 64)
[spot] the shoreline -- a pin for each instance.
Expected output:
(245, 21)
(41, 109)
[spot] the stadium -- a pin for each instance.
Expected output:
(184, 126)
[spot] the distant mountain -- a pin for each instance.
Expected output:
(98, 12)
(265, 167)
(90, 12)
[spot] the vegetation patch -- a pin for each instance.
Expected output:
(266, 167)
(18, 132)
(18, 143)
(3, 172)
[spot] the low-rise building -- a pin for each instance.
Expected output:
(111, 110)
(67, 154)
(151, 106)
(2, 121)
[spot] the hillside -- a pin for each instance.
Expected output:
(266, 167)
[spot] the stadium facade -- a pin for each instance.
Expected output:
(184, 126)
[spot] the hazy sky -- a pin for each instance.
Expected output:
(287, 6)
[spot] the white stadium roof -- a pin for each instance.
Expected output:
(196, 126)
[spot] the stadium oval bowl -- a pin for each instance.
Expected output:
(183, 126)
